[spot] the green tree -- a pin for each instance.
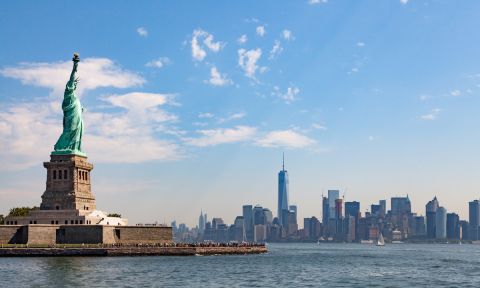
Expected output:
(114, 215)
(2, 219)
(21, 211)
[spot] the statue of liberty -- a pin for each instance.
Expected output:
(70, 142)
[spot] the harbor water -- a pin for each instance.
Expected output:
(285, 265)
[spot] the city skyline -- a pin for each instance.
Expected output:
(375, 100)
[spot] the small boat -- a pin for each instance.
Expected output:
(380, 240)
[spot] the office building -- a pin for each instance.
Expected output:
(441, 223)
(453, 226)
(474, 219)
(430, 212)
(248, 221)
(332, 196)
(282, 191)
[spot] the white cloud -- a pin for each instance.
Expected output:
(276, 49)
(288, 96)
(142, 31)
(206, 115)
(404, 1)
(432, 115)
(371, 138)
(159, 63)
(360, 44)
(286, 139)
(424, 97)
(287, 35)
(93, 73)
(261, 31)
(353, 70)
(213, 46)
(314, 2)
(218, 136)
(456, 93)
(248, 61)
(234, 116)
(242, 39)
(199, 52)
(217, 79)
(319, 126)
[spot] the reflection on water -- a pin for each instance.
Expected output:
(307, 265)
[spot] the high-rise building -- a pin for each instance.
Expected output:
(375, 209)
(352, 209)
(268, 216)
(349, 228)
(441, 223)
(401, 212)
(248, 221)
(306, 227)
(453, 226)
(419, 226)
(383, 208)
(239, 230)
(339, 208)
(332, 196)
(464, 230)
(324, 211)
(474, 219)
(282, 191)
(430, 212)
(259, 216)
(400, 206)
(201, 223)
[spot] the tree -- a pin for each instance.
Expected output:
(21, 211)
(2, 219)
(114, 215)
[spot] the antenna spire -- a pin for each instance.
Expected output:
(283, 161)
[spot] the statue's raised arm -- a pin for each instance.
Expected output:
(70, 142)
(75, 60)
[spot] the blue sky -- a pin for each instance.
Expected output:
(190, 104)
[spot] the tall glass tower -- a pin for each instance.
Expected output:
(282, 191)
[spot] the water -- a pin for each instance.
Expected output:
(286, 265)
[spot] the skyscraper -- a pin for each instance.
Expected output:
(383, 208)
(453, 226)
(201, 223)
(282, 191)
(473, 219)
(259, 216)
(332, 196)
(352, 209)
(400, 206)
(248, 221)
(441, 223)
(430, 210)
(324, 211)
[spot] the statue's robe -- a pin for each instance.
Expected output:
(71, 139)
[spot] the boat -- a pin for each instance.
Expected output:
(366, 241)
(380, 240)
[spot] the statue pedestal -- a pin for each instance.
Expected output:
(68, 184)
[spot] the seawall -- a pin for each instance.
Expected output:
(130, 251)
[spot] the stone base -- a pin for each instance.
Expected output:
(84, 234)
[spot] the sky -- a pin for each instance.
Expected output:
(189, 105)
